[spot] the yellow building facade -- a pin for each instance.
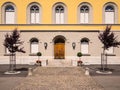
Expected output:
(60, 28)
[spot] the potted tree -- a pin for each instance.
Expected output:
(13, 43)
(38, 62)
(108, 40)
(79, 62)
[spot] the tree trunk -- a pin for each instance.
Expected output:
(12, 62)
(103, 60)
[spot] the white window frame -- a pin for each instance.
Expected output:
(84, 16)
(85, 45)
(90, 14)
(109, 18)
(29, 13)
(9, 16)
(4, 13)
(59, 15)
(34, 47)
(34, 15)
(115, 12)
(109, 15)
(54, 13)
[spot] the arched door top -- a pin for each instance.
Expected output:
(59, 39)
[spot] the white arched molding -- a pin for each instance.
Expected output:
(28, 15)
(4, 13)
(90, 13)
(115, 12)
(54, 12)
(34, 45)
(85, 45)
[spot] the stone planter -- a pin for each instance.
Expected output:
(38, 62)
(79, 63)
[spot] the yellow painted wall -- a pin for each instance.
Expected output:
(72, 5)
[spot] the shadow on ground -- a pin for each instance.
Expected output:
(22, 68)
(93, 68)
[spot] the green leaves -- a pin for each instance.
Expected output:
(39, 54)
(79, 54)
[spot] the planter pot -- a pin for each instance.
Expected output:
(38, 62)
(79, 63)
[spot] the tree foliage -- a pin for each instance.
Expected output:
(13, 42)
(39, 54)
(79, 54)
(108, 38)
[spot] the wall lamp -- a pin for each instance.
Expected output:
(73, 45)
(45, 45)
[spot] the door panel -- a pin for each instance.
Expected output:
(59, 50)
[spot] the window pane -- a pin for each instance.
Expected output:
(37, 17)
(10, 17)
(84, 48)
(59, 14)
(34, 14)
(32, 17)
(86, 18)
(62, 18)
(9, 8)
(84, 9)
(34, 48)
(57, 18)
(109, 8)
(109, 17)
(84, 14)
(81, 17)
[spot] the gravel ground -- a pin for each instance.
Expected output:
(58, 78)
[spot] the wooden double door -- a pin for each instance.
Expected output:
(59, 50)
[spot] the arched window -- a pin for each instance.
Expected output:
(110, 13)
(84, 45)
(34, 45)
(59, 13)
(34, 12)
(8, 13)
(85, 13)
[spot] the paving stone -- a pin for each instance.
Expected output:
(58, 78)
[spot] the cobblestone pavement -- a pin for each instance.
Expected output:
(58, 78)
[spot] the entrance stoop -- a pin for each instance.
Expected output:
(59, 63)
